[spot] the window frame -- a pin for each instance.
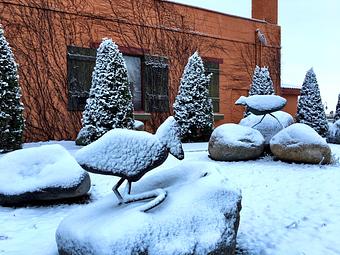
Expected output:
(74, 54)
(215, 70)
(143, 54)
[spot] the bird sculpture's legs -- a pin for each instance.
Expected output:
(158, 194)
(259, 121)
(277, 120)
(115, 190)
(127, 190)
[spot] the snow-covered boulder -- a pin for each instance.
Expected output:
(269, 126)
(43, 173)
(232, 142)
(300, 143)
(86, 135)
(138, 125)
(334, 133)
(199, 216)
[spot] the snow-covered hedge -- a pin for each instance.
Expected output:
(11, 109)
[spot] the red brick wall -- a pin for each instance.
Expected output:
(168, 29)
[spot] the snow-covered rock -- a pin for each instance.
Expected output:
(199, 216)
(334, 133)
(300, 143)
(262, 104)
(42, 173)
(86, 135)
(269, 126)
(232, 142)
(138, 125)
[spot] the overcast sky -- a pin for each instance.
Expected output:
(310, 38)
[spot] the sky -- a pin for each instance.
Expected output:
(310, 38)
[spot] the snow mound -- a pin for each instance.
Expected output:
(34, 172)
(300, 143)
(200, 215)
(269, 126)
(234, 142)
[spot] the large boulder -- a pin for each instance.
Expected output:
(269, 126)
(200, 215)
(232, 142)
(334, 133)
(45, 173)
(302, 144)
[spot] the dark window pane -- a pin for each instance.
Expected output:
(155, 77)
(214, 87)
(133, 65)
(80, 65)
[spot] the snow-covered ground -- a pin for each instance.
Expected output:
(287, 208)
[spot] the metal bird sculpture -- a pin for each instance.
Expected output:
(130, 154)
(263, 105)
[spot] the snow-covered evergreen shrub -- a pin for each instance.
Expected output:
(262, 83)
(109, 104)
(310, 109)
(337, 110)
(11, 109)
(193, 108)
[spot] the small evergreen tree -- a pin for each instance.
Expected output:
(337, 110)
(11, 109)
(310, 109)
(193, 108)
(109, 104)
(262, 84)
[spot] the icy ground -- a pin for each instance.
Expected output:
(287, 208)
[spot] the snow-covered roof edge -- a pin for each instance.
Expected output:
(290, 86)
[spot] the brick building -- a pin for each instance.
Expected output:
(55, 42)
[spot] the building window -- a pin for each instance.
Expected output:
(214, 88)
(155, 79)
(134, 67)
(80, 65)
(148, 78)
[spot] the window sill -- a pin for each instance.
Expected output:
(218, 116)
(142, 115)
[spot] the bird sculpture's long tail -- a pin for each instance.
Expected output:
(159, 196)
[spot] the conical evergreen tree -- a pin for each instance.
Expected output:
(310, 109)
(337, 110)
(262, 83)
(109, 104)
(193, 108)
(11, 109)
